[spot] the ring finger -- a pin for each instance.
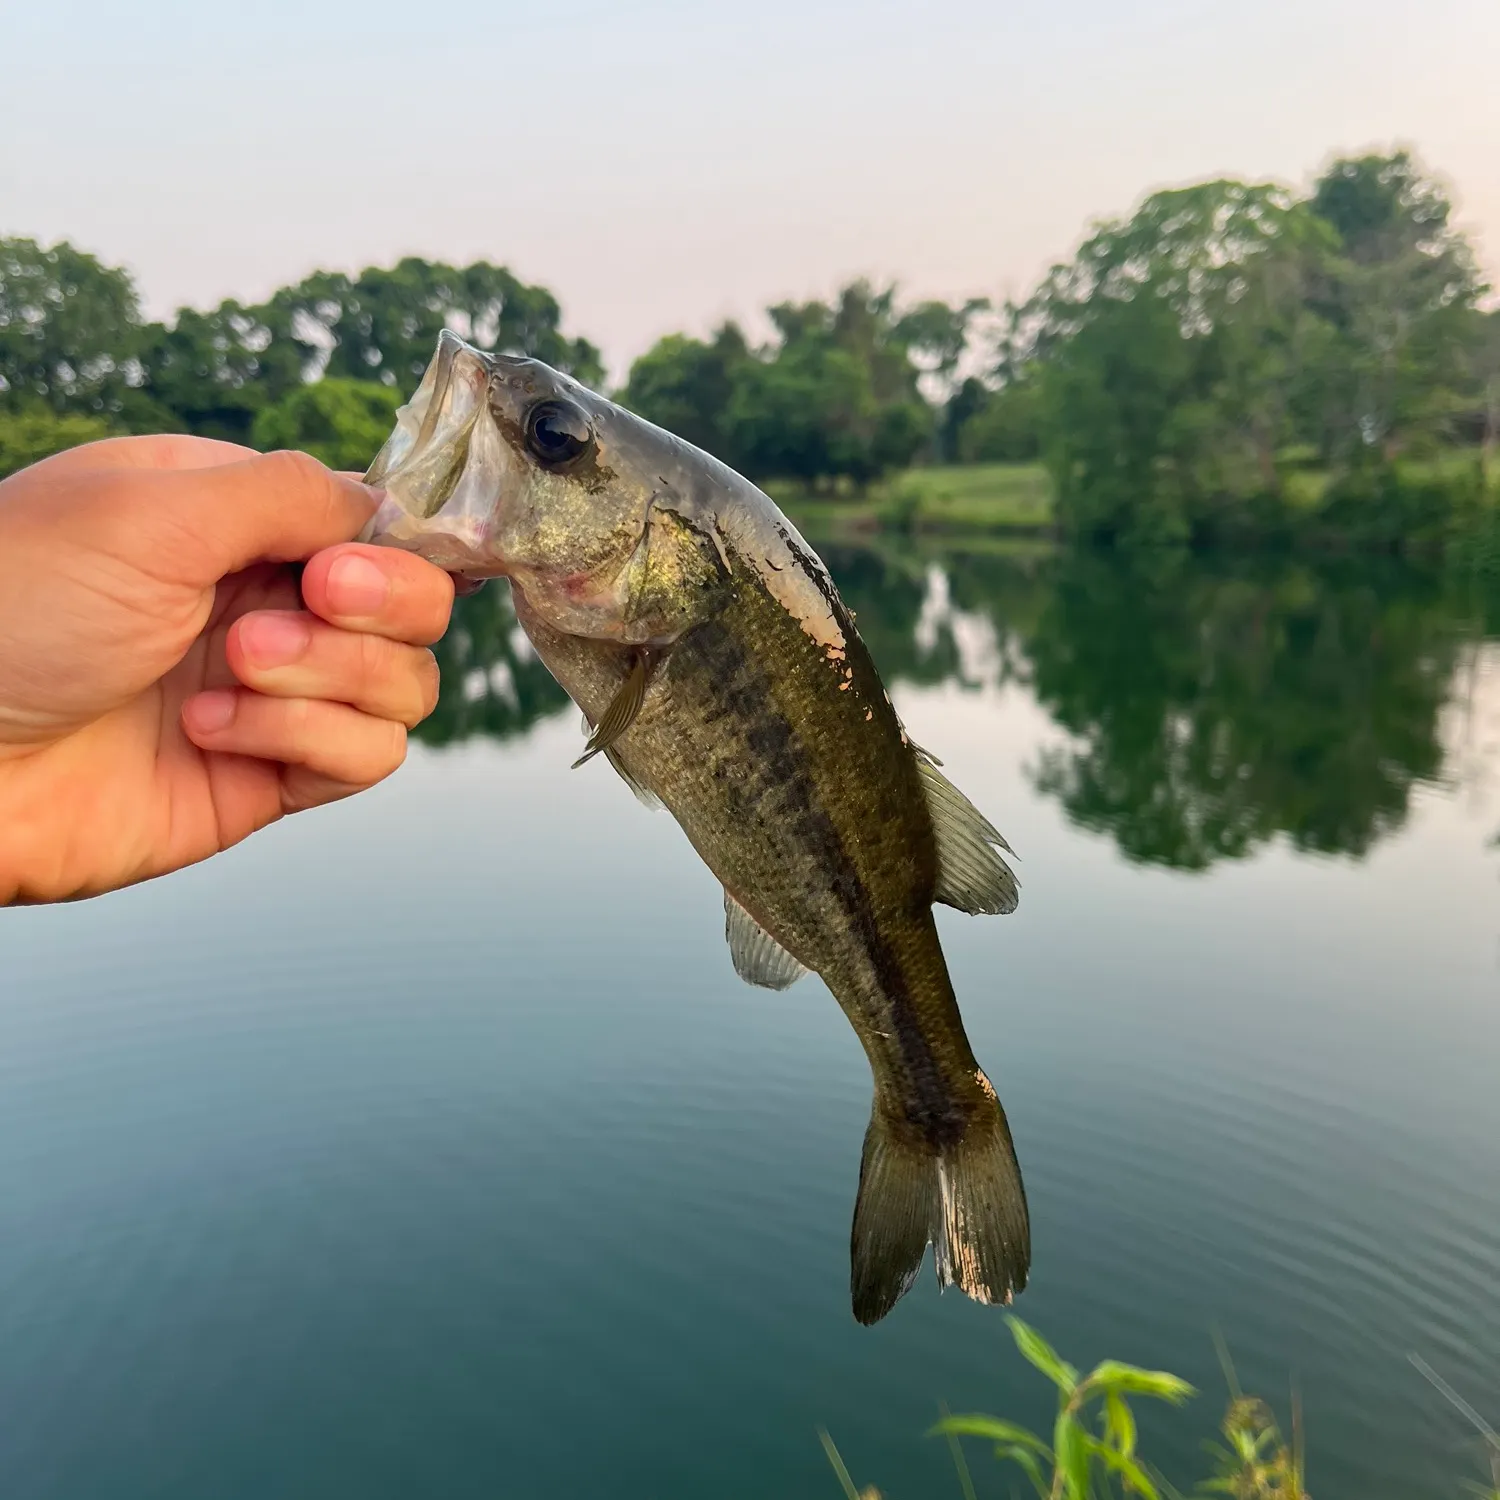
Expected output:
(294, 654)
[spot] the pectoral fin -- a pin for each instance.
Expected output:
(758, 957)
(971, 874)
(620, 714)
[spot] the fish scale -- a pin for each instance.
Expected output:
(724, 678)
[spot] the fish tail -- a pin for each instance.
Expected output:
(964, 1199)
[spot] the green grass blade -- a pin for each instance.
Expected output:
(996, 1429)
(836, 1459)
(1038, 1352)
(1111, 1375)
(960, 1463)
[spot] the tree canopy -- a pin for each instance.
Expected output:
(70, 329)
(74, 345)
(1189, 359)
(836, 393)
(1182, 374)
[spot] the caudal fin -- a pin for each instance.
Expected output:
(966, 1201)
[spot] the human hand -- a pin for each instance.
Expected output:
(168, 685)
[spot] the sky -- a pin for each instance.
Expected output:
(662, 165)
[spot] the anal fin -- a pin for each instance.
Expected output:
(758, 957)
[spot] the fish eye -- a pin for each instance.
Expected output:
(557, 432)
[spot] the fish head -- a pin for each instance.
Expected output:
(501, 465)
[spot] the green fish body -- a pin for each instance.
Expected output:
(724, 679)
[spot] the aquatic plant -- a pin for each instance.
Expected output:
(1093, 1446)
(1093, 1452)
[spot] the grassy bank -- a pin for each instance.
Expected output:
(994, 498)
(1420, 504)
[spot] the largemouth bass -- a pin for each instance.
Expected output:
(723, 678)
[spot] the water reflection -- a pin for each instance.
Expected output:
(1218, 706)
(493, 683)
(1209, 704)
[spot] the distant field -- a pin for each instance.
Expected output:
(1016, 500)
(970, 497)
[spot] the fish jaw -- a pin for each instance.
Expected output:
(445, 468)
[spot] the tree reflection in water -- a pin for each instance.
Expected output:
(1210, 703)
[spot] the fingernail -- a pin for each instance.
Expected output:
(208, 713)
(356, 586)
(275, 638)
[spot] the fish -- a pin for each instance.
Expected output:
(722, 677)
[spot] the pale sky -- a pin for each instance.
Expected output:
(661, 165)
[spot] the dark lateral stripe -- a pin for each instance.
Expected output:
(783, 781)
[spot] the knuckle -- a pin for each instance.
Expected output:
(292, 472)
(294, 469)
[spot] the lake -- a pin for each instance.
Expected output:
(428, 1145)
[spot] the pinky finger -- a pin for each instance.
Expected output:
(328, 750)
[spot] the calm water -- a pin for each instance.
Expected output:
(429, 1146)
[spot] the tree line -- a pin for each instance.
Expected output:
(1230, 356)
(322, 364)
(1233, 357)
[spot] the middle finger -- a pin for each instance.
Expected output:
(288, 654)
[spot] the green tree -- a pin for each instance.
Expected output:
(834, 395)
(686, 384)
(70, 330)
(215, 371)
(1487, 367)
(342, 422)
(1167, 356)
(383, 324)
(72, 339)
(936, 336)
(1401, 294)
(807, 414)
(32, 433)
(995, 426)
(838, 396)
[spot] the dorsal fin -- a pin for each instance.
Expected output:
(971, 874)
(758, 957)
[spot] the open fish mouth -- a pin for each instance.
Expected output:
(443, 467)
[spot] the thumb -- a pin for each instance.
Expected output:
(275, 507)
